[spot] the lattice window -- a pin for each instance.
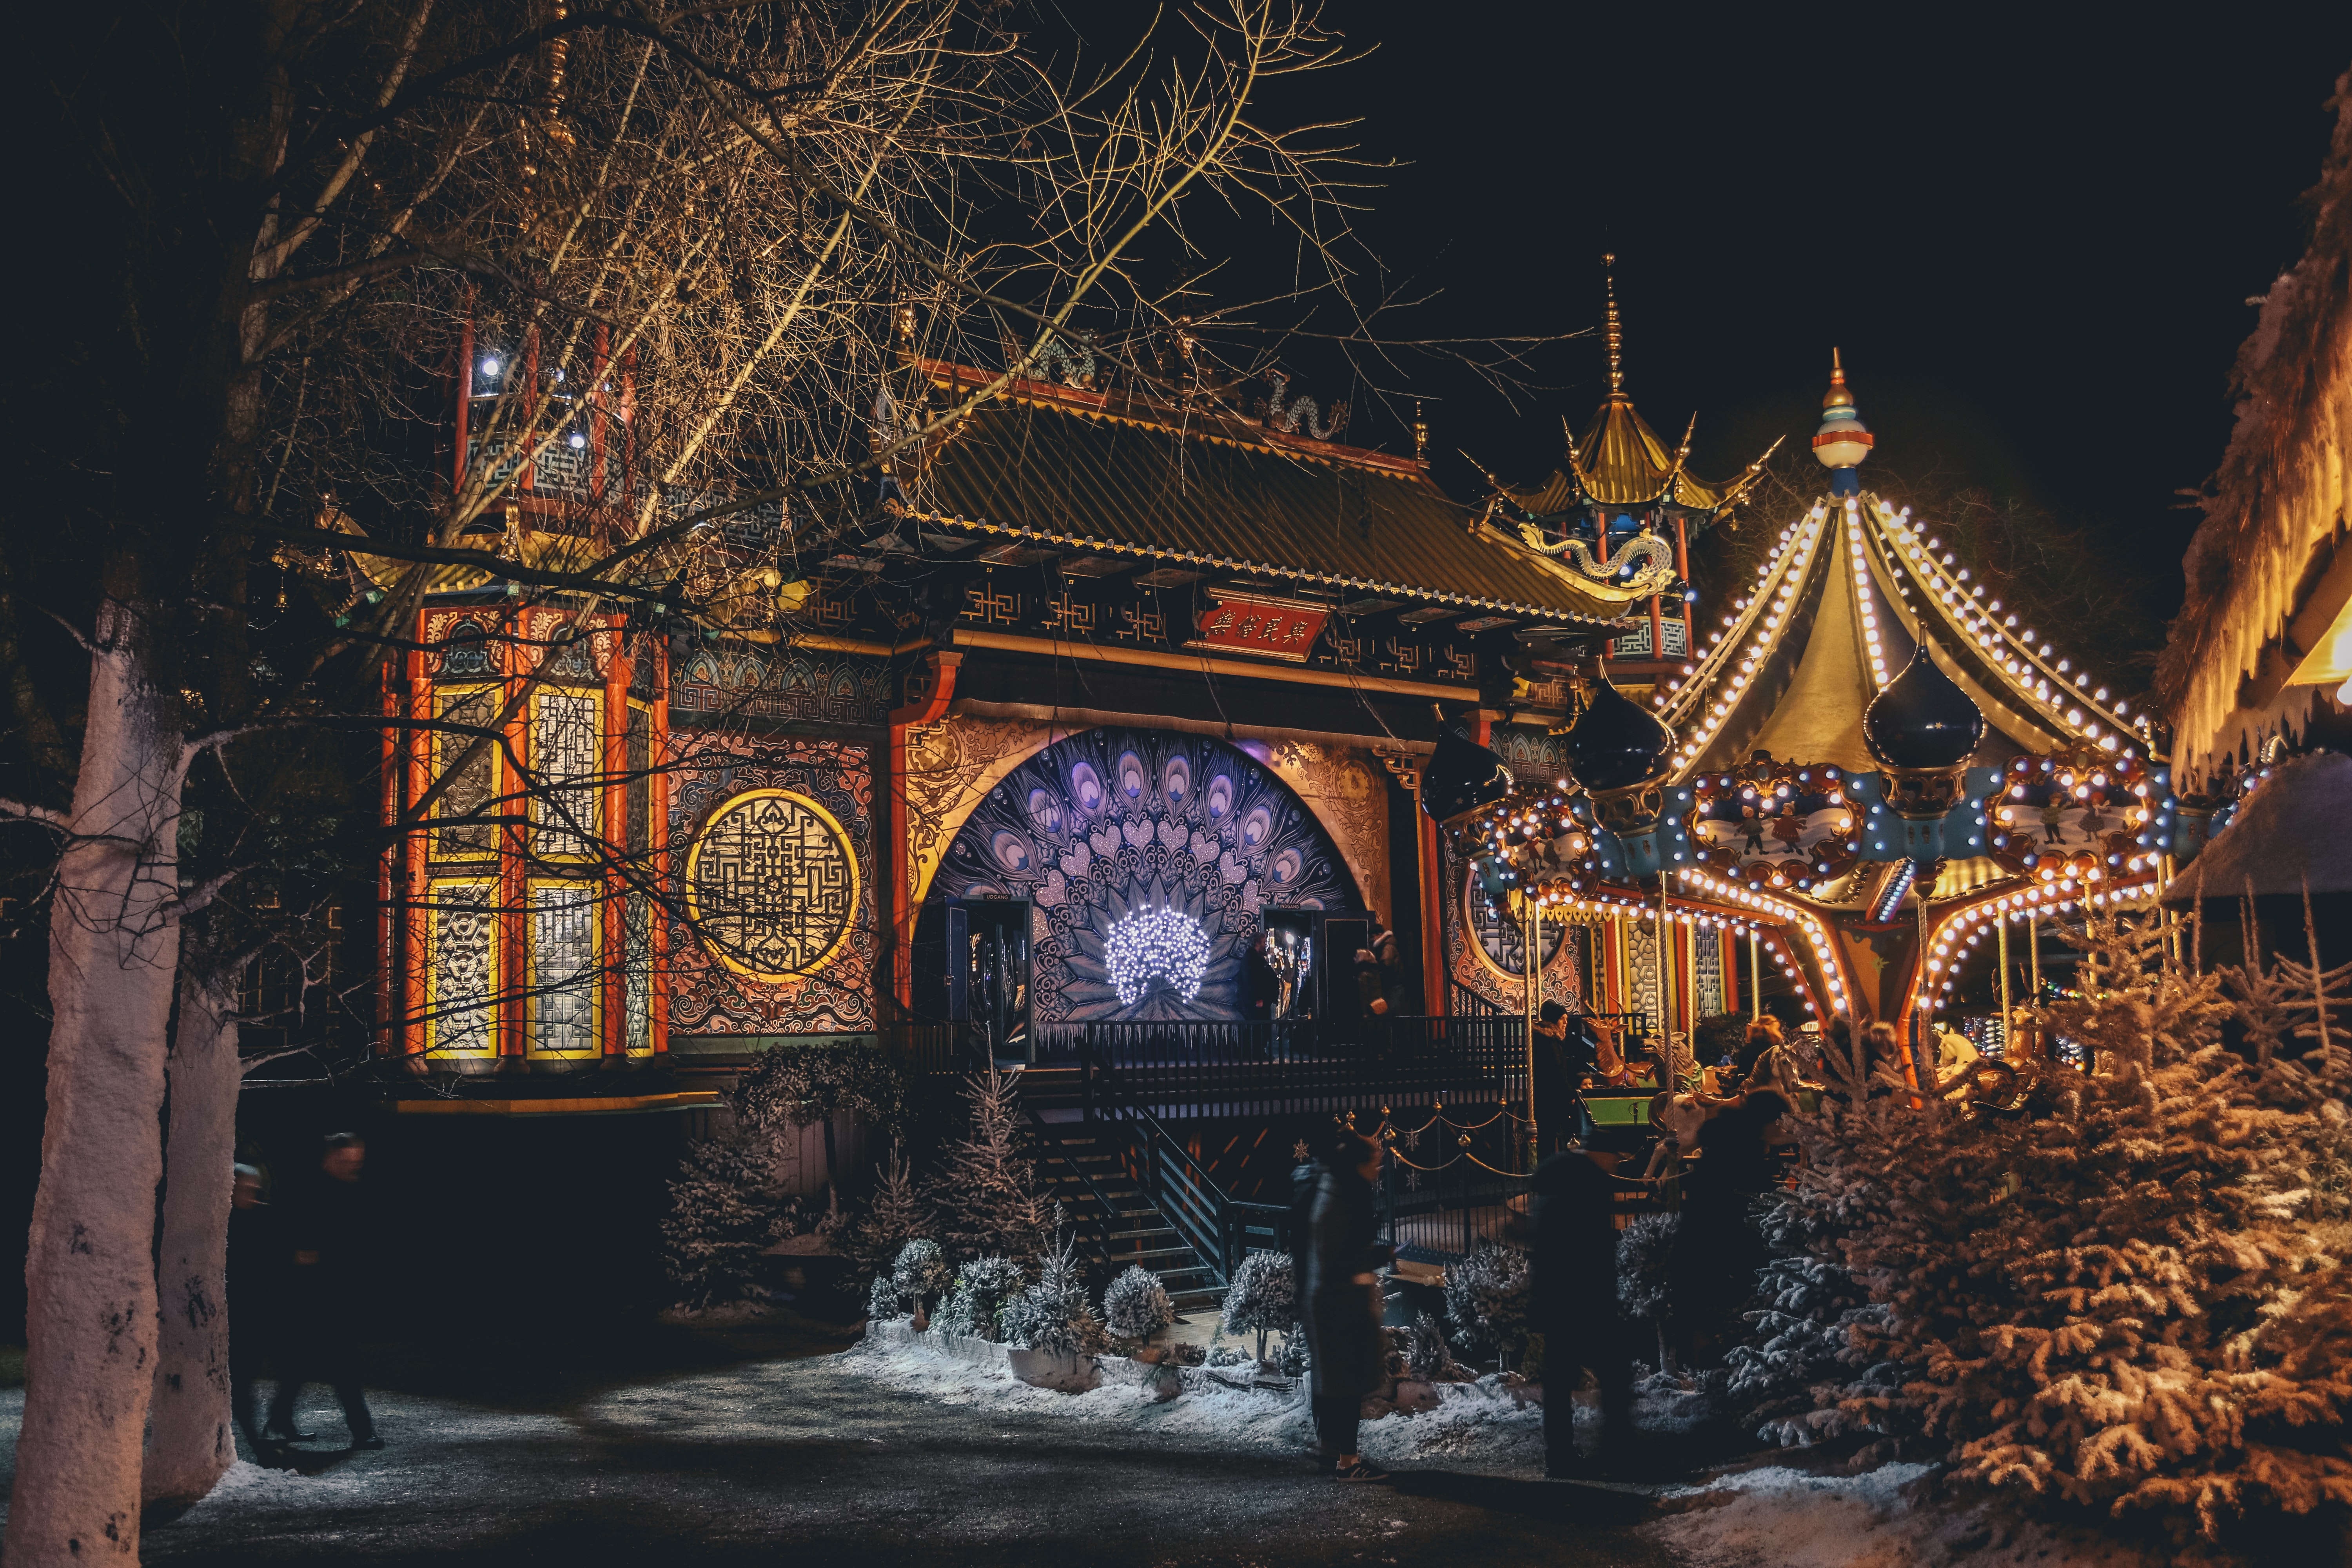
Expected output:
(563, 922)
(1500, 935)
(1637, 644)
(637, 973)
(1642, 969)
(461, 973)
(639, 788)
(1709, 970)
(564, 741)
(563, 469)
(470, 793)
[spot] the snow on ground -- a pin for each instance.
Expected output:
(1886, 1518)
(1792, 1520)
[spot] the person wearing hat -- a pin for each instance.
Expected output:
(1573, 1217)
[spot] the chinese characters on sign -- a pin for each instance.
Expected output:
(1286, 629)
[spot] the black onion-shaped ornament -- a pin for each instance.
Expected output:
(1922, 719)
(1463, 777)
(1614, 744)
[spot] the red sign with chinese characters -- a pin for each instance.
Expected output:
(1271, 629)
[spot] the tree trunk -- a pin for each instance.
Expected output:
(89, 1270)
(189, 1439)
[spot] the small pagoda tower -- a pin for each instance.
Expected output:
(1621, 510)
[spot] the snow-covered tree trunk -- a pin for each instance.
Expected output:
(190, 1441)
(90, 1271)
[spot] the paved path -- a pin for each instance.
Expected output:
(754, 1449)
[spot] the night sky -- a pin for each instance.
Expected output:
(2032, 241)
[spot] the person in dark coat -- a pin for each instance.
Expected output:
(1347, 1349)
(1574, 1222)
(324, 1234)
(1260, 985)
(254, 1290)
(1564, 1055)
(1718, 1246)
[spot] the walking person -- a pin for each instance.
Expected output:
(1718, 1246)
(1347, 1354)
(254, 1301)
(1575, 1277)
(324, 1237)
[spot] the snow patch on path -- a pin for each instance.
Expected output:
(1792, 1520)
(1473, 1423)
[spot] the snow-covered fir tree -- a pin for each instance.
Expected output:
(919, 1272)
(1136, 1305)
(1427, 1355)
(980, 1288)
(725, 1210)
(1487, 1297)
(882, 1301)
(1262, 1297)
(2132, 1293)
(1644, 1255)
(986, 1195)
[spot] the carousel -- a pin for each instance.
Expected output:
(1864, 775)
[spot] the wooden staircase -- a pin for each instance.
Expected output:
(1087, 1165)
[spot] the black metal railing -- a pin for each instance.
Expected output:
(1450, 1214)
(1188, 1070)
(1186, 1197)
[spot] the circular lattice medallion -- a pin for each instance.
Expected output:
(771, 884)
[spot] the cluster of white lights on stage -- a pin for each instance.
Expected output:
(1787, 916)
(2050, 681)
(1156, 944)
(1956, 934)
(1750, 633)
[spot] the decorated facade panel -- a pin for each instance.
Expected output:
(772, 849)
(1149, 861)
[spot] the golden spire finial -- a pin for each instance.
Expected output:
(1837, 396)
(1616, 332)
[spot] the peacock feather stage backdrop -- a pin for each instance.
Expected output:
(1150, 858)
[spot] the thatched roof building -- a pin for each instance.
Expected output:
(2262, 648)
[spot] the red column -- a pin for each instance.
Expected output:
(1682, 569)
(514, 892)
(390, 912)
(1430, 862)
(656, 652)
(614, 911)
(416, 754)
(1728, 946)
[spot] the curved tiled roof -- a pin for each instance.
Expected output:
(1077, 469)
